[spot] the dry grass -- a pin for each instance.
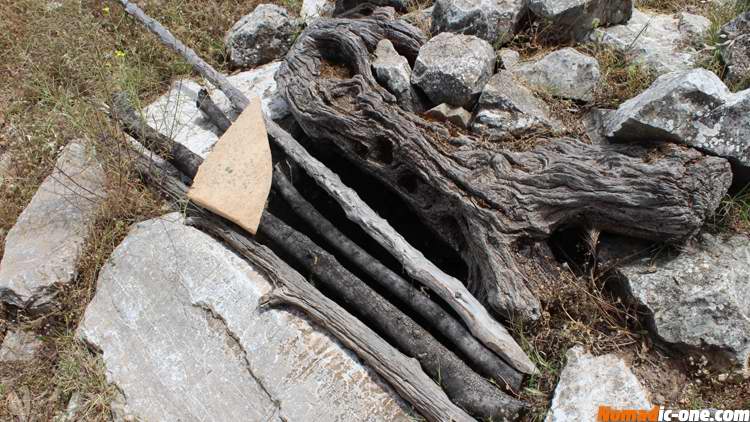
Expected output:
(58, 66)
(621, 78)
(576, 310)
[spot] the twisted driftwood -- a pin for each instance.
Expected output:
(483, 200)
(481, 324)
(486, 362)
(464, 387)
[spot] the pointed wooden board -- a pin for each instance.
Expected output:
(235, 179)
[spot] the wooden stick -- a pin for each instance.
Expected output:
(486, 362)
(493, 334)
(464, 387)
(401, 372)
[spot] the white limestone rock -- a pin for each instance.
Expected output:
(589, 381)
(314, 9)
(494, 21)
(696, 298)
(453, 68)
(565, 73)
(43, 247)
(394, 73)
(655, 40)
(177, 321)
(445, 112)
(572, 20)
(175, 114)
(508, 109)
(262, 36)
(693, 107)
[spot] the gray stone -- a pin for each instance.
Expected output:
(491, 20)
(508, 58)
(453, 68)
(693, 28)
(736, 48)
(565, 73)
(693, 107)
(19, 346)
(314, 9)
(175, 115)
(574, 19)
(456, 115)
(508, 110)
(698, 297)
(177, 320)
(654, 40)
(261, 36)
(43, 247)
(393, 71)
(589, 381)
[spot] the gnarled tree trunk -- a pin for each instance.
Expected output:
(486, 201)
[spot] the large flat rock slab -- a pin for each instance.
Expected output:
(43, 247)
(177, 321)
(175, 114)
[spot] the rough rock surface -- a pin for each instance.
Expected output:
(392, 71)
(175, 115)
(342, 6)
(565, 73)
(508, 109)
(177, 321)
(453, 68)
(261, 36)
(588, 381)
(577, 18)
(494, 21)
(43, 247)
(313, 9)
(456, 115)
(736, 50)
(508, 58)
(698, 297)
(654, 40)
(693, 28)
(692, 107)
(19, 346)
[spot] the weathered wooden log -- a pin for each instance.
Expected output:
(132, 122)
(404, 374)
(212, 111)
(492, 333)
(464, 387)
(483, 199)
(486, 362)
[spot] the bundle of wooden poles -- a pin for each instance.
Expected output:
(478, 379)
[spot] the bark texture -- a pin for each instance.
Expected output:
(466, 388)
(485, 201)
(486, 362)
